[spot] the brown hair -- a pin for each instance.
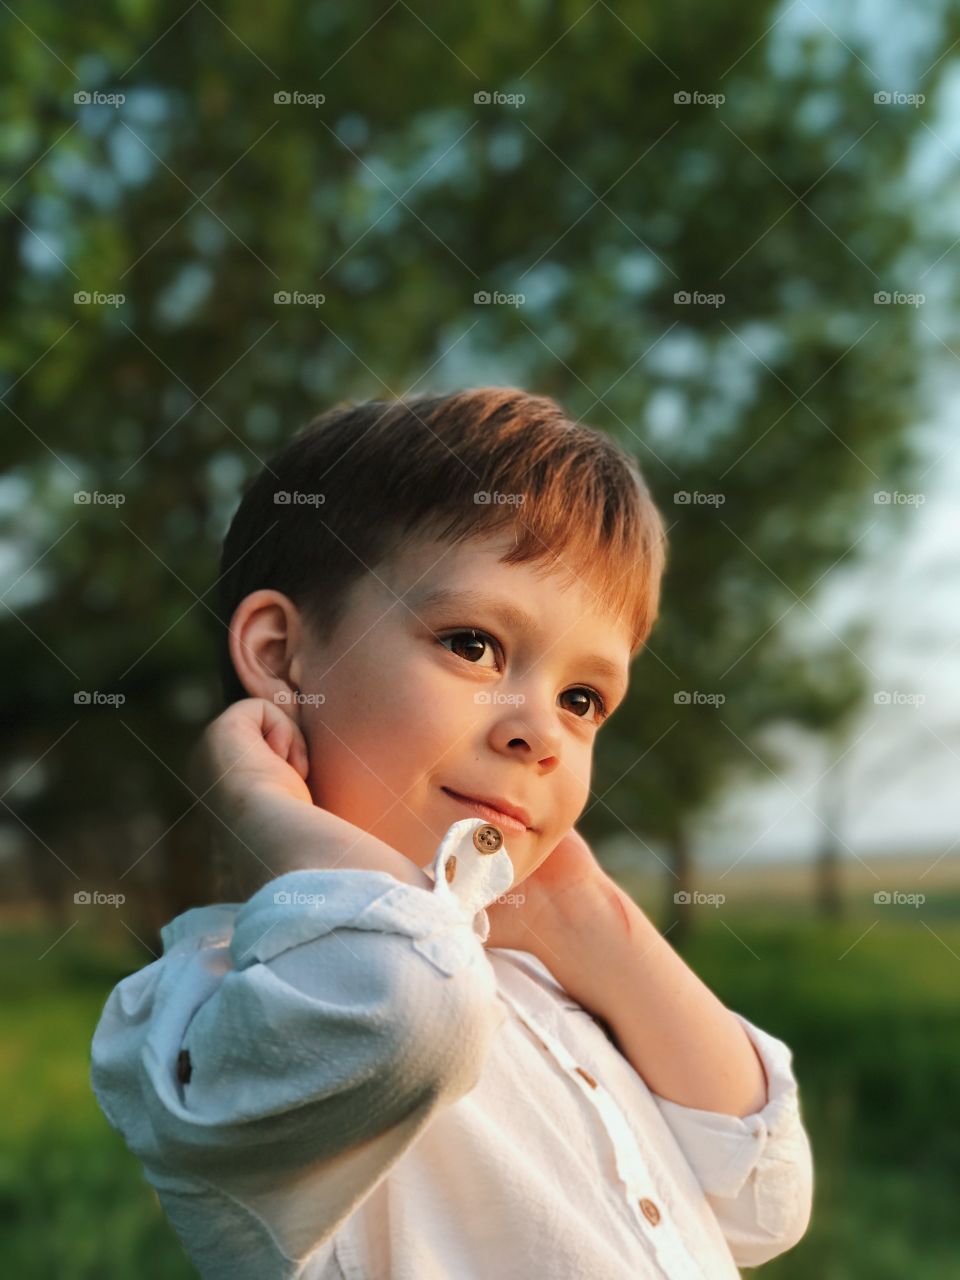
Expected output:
(451, 466)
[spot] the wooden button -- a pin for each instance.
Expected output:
(588, 1077)
(650, 1211)
(488, 838)
(451, 867)
(184, 1066)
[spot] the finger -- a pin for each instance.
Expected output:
(285, 738)
(297, 755)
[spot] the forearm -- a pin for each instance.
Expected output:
(270, 836)
(683, 1041)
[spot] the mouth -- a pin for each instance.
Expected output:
(511, 818)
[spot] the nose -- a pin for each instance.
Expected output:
(529, 734)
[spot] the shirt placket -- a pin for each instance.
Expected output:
(644, 1204)
(471, 866)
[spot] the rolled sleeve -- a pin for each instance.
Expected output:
(344, 1003)
(756, 1170)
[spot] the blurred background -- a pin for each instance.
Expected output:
(726, 235)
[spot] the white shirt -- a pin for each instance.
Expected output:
(336, 1080)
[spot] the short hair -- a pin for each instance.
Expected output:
(452, 467)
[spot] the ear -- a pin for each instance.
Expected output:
(266, 634)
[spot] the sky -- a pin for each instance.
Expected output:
(898, 769)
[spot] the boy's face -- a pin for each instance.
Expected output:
(412, 708)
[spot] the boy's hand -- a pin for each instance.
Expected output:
(250, 766)
(252, 744)
(563, 890)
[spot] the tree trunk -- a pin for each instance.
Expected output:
(828, 867)
(679, 907)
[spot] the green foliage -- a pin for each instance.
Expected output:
(598, 198)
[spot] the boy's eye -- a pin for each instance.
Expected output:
(590, 695)
(470, 644)
(473, 642)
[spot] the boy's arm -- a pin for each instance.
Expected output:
(725, 1088)
(269, 1084)
(272, 1076)
(249, 768)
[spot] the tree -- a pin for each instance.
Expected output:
(600, 197)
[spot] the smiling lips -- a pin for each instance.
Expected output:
(493, 809)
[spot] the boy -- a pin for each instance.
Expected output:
(430, 1039)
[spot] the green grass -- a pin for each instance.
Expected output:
(874, 1027)
(872, 1018)
(74, 1204)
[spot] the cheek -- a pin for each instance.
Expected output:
(393, 715)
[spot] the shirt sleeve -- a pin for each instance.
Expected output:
(756, 1170)
(346, 1008)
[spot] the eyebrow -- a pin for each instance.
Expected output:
(514, 619)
